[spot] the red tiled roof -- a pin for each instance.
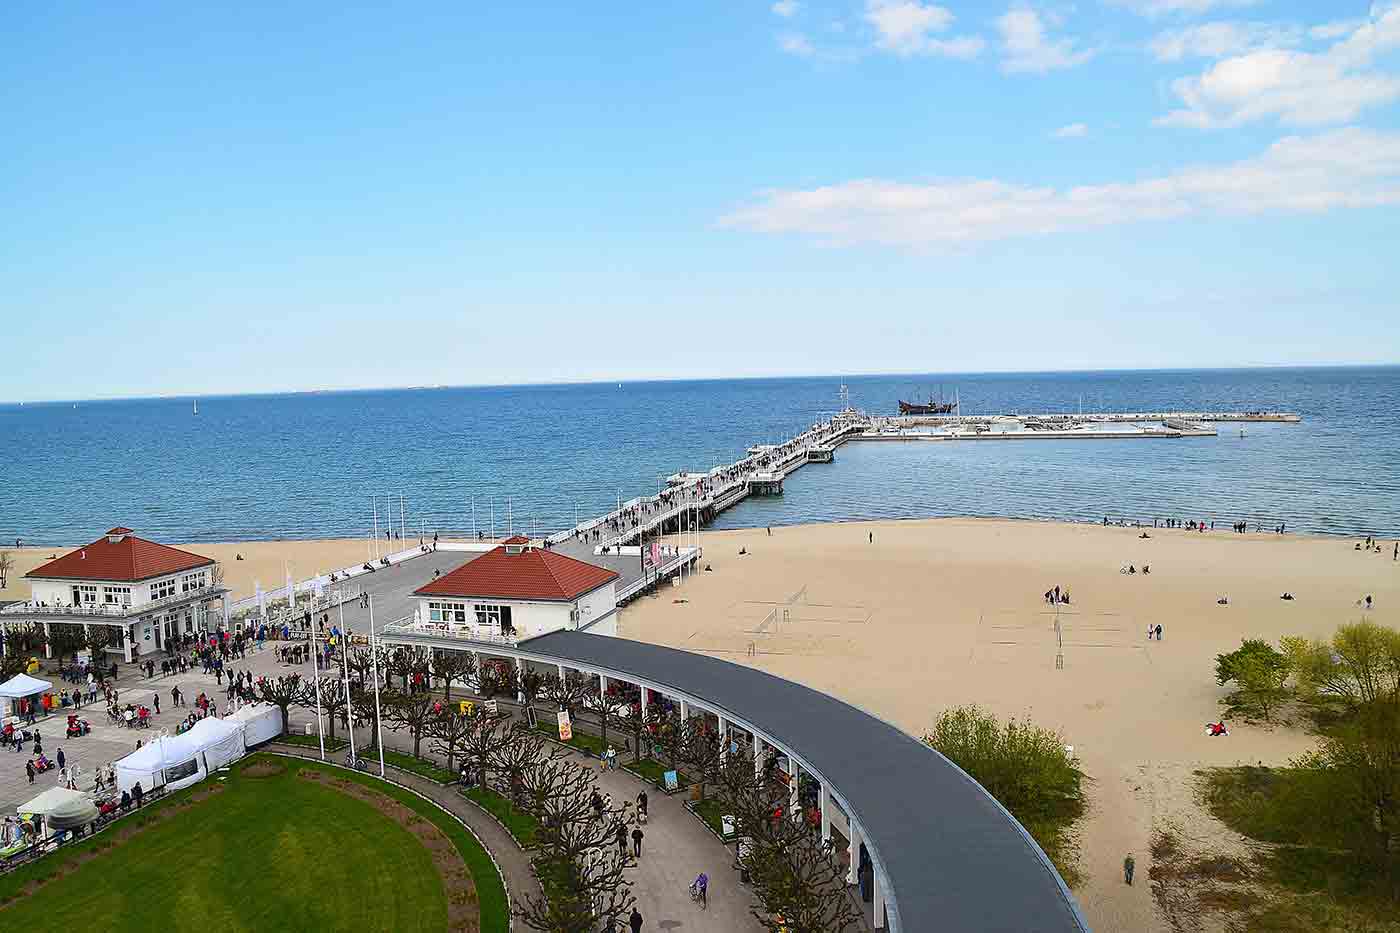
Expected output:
(535, 574)
(127, 561)
(518, 539)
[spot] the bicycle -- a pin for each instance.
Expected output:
(356, 762)
(700, 890)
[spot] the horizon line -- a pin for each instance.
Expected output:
(346, 390)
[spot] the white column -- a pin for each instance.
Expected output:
(794, 784)
(723, 738)
(602, 685)
(561, 672)
(879, 901)
(48, 645)
(520, 678)
(757, 755)
(128, 636)
(854, 851)
(685, 711)
(644, 701)
(824, 804)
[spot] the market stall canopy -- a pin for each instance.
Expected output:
(22, 685)
(61, 808)
(262, 722)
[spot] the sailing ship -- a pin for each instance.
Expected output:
(939, 407)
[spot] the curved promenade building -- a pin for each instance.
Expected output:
(945, 855)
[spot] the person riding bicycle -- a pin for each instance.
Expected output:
(699, 888)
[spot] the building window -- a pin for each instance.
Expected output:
(494, 616)
(193, 581)
(116, 595)
(447, 612)
(87, 594)
(163, 588)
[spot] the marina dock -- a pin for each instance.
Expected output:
(692, 500)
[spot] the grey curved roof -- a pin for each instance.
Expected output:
(954, 858)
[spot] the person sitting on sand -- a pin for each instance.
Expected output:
(1287, 596)
(1146, 569)
(1064, 597)
(1132, 569)
(1368, 602)
(1217, 728)
(1144, 535)
(1223, 601)
(743, 551)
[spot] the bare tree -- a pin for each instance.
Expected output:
(567, 693)
(333, 701)
(522, 749)
(412, 711)
(606, 712)
(405, 662)
(485, 738)
(367, 712)
(582, 869)
(701, 752)
(453, 667)
(7, 563)
(798, 885)
(449, 731)
(282, 692)
(495, 677)
(361, 662)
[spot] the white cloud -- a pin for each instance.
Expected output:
(1025, 46)
(786, 8)
(907, 27)
(1338, 169)
(794, 43)
(1155, 8)
(1216, 40)
(1335, 30)
(1071, 130)
(1296, 88)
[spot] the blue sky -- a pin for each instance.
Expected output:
(304, 196)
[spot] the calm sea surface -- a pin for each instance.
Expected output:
(308, 465)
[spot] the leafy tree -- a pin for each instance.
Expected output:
(1023, 766)
(1259, 671)
(412, 711)
(282, 692)
(1359, 665)
(453, 667)
(1361, 756)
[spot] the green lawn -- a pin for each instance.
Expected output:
(710, 810)
(311, 741)
(305, 856)
(583, 741)
(521, 825)
(654, 771)
(419, 766)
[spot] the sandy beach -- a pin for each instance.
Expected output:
(942, 612)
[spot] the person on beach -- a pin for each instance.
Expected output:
(1159, 632)
(1128, 866)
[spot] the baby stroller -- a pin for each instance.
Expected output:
(77, 727)
(42, 764)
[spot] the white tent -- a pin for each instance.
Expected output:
(220, 741)
(170, 760)
(61, 808)
(262, 722)
(22, 685)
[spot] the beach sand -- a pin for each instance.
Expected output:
(943, 612)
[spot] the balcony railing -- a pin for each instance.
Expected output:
(482, 634)
(112, 611)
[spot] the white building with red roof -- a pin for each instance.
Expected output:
(514, 592)
(148, 595)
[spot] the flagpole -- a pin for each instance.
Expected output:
(316, 669)
(378, 721)
(345, 672)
